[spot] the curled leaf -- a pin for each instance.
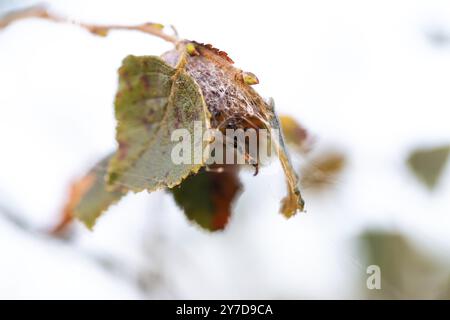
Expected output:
(235, 104)
(293, 201)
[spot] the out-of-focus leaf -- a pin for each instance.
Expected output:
(428, 164)
(207, 197)
(406, 273)
(153, 100)
(322, 170)
(89, 196)
(295, 135)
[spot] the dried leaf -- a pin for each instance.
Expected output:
(207, 197)
(293, 201)
(77, 190)
(428, 164)
(90, 197)
(322, 170)
(296, 136)
(153, 100)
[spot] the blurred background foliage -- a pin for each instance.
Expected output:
(407, 271)
(369, 85)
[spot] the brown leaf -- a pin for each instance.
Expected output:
(208, 196)
(322, 171)
(234, 104)
(77, 190)
(295, 134)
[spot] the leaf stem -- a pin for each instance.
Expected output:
(154, 29)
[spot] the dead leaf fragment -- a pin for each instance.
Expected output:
(77, 191)
(322, 170)
(296, 135)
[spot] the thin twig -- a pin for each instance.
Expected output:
(154, 29)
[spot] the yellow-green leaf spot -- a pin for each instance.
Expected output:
(249, 78)
(157, 25)
(191, 50)
(99, 31)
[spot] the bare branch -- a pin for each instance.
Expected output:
(154, 29)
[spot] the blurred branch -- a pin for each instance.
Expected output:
(107, 263)
(154, 29)
(12, 217)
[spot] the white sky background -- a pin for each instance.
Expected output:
(361, 75)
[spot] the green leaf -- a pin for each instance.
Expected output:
(207, 197)
(428, 164)
(153, 100)
(407, 272)
(91, 197)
